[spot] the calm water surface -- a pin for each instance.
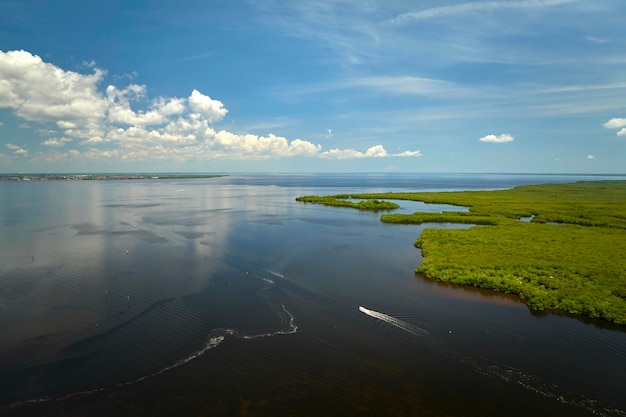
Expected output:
(224, 296)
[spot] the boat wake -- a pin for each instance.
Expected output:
(395, 322)
(503, 372)
(216, 337)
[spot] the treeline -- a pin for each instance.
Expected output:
(573, 268)
(367, 204)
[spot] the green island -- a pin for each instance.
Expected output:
(557, 246)
(336, 201)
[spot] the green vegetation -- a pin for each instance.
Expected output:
(595, 203)
(573, 268)
(366, 204)
(576, 265)
(445, 217)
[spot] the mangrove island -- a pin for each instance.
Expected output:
(557, 246)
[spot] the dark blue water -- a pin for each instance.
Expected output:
(224, 296)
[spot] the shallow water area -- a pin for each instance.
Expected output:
(225, 296)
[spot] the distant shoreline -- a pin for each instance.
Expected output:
(101, 177)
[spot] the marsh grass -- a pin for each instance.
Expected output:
(577, 265)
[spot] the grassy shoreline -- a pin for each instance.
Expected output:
(569, 257)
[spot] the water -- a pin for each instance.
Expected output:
(224, 296)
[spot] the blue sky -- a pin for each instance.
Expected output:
(328, 85)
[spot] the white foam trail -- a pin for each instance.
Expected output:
(288, 327)
(394, 322)
(211, 343)
(541, 387)
(503, 372)
(276, 274)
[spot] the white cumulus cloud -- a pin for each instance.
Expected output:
(591, 157)
(17, 150)
(376, 151)
(213, 110)
(123, 123)
(169, 106)
(503, 138)
(257, 146)
(337, 153)
(617, 123)
(58, 142)
(63, 124)
(410, 153)
(120, 111)
(39, 91)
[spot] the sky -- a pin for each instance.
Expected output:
(535, 86)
